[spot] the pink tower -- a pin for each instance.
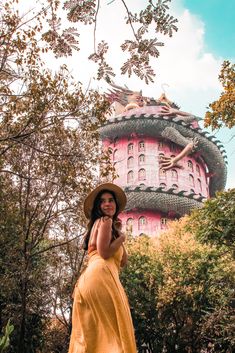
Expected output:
(165, 163)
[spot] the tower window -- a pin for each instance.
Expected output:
(162, 173)
(129, 224)
(163, 185)
(141, 146)
(130, 176)
(190, 166)
(142, 221)
(163, 221)
(198, 170)
(142, 174)
(199, 184)
(175, 186)
(174, 174)
(191, 180)
(141, 159)
(129, 221)
(130, 148)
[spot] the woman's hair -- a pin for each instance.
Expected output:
(97, 213)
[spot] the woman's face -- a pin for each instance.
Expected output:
(107, 204)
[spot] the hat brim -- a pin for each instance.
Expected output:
(119, 193)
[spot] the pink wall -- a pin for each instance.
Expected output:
(148, 222)
(141, 163)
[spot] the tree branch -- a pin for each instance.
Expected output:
(128, 13)
(57, 245)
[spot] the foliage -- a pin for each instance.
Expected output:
(215, 222)
(4, 341)
(175, 284)
(141, 49)
(56, 337)
(50, 32)
(223, 110)
(217, 330)
(24, 280)
(141, 278)
(66, 264)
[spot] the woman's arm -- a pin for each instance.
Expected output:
(124, 257)
(105, 247)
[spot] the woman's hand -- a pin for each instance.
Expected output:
(118, 226)
(122, 236)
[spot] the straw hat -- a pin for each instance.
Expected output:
(119, 193)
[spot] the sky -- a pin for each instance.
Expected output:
(218, 18)
(189, 63)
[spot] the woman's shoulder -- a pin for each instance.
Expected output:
(103, 220)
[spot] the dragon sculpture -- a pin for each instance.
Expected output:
(128, 100)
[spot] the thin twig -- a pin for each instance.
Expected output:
(96, 14)
(128, 13)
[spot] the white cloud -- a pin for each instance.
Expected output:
(187, 68)
(190, 71)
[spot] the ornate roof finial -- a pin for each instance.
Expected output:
(163, 98)
(164, 84)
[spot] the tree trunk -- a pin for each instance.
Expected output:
(21, 345)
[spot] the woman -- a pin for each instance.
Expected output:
(101, 321)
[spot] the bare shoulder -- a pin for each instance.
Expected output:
(105, 224)
(106, 220)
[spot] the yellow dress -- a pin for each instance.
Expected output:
(101, 321)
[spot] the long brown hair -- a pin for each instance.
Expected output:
(97, 213)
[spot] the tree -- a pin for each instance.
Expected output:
(50, 155)
(176, 286)
(141, 279)
(217, 330)
(66, 265)
(215, 222)
(223, 110)
(43, 193)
